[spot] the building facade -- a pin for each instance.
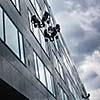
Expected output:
(31, 66)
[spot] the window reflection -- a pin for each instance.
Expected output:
(13, 1)
(30, 24)
(49, 85)
(50, 82)
(11, 35)
(21, 47)
(17, 5)
(61, 71)
(41, 72)
(56, 63)
(1, 24)
(37, 7)
(70, 86)
(33, 2)
(42, 40)
(58, 66)
(36, 66)
(66, 63)
(56, 44)
(34, 30)
(37, 34)
(63, 95)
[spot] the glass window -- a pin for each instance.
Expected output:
(42, 40)
(11, 35)
(37, 34)
(30, 24)
(67, 64)
(36, 67)
(70, 86)
(21, 47)
(35, 30)
(61, 71)
(33, 2)
(58, 67)
(16, 3)
(48, 76)
(13, 2)
(1, 24)
(56, 63)
(52, 82)
(65, 97)
(62, 94)
(61, 41)
(56, 44)
(41, 72)
(37, 8)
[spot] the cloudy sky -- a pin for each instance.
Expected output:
(80, 25)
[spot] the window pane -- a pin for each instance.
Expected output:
(61, 71)
(36, 30)
(1, 25)
(36, 67)
(70, 86)
(13, 1)
(17, 4)
(36, 33)
(11, 35)
(56, 44)
(41, 72)
(62, 94)
(50, 82)
(56, 63)
(42, 40)
(65, 97)
(37, 8)
(48, 79)
(30, 24)
(58, 68)
(21, 47)
(33, 2)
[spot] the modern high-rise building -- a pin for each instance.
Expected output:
(35, 63)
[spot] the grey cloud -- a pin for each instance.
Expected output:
(86, 3)
(74, 32)
(74, 38)
(89, 45)
(56, 5)
(96, 25)
(91, 76)
(80, 44)
(84, 49)
(93, 84)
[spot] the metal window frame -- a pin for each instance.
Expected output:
(4, 13)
